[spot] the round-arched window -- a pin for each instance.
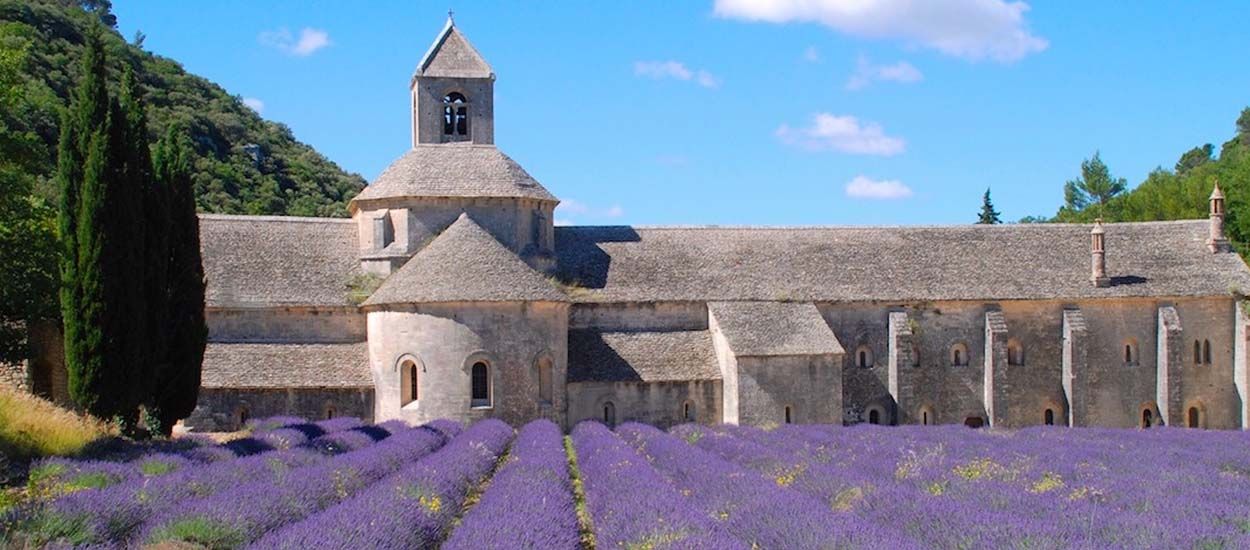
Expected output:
(456, 117)
(863, 357)
(959, 355)
(480, 376)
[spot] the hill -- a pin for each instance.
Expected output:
(243, 163)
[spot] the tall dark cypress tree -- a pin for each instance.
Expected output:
(149, 230)
(83, 129)
(178, 379)
(104, 171)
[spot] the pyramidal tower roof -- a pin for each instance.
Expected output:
(465, 264)
(451, 55)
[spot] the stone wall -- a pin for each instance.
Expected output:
(647, 316)
(660, 404)
(326, 325)
(445, 340)
(1104, 389)
(427, 108)
(223, 410)
(811, 386)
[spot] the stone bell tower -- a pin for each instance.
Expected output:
(453, 93)
(1216, 241)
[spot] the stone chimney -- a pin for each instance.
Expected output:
(1216, 241)
(1098, 256)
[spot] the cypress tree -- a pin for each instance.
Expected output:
(103, 172)
(178, 379)
(82, 128)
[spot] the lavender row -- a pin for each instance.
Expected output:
(231, 518)
(758, 511)
(411, 508)
(1041, 487)
(62, 475)
(633, 506)
(529, 502)
(113, 513)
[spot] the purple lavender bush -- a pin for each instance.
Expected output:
(761, 512)
(529, 502)
(240, 514)
(633, 506)
(411, 508)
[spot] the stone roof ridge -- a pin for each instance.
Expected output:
(465, 263)
(735, 227)
(284, 219)
(463, 60)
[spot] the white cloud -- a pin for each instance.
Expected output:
(811, 55)
(864, 187)
(675, 70)
(968, 29)
(570, 210)
(310, 40)
(866, 73)
(844, 134)
(254, 104)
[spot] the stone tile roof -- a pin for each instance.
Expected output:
(278, 261)
(465, 264)
(252, 365)
(596, 356)
(774, 328)
(451, 55)
(454, 170)
(892, 264)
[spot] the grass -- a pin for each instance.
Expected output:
(579, 497)
(31, 427)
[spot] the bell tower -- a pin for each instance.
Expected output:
(453, 93)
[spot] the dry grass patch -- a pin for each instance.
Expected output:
(33, 427)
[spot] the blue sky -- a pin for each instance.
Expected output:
(750, 112)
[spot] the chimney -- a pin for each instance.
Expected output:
(1216, 241)
(1098, 256)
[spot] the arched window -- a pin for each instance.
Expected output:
(1130, 352)
(408, 382)
(330, 412)
(1015, 352)
(863, 357)
(915, 354)
(609, 414)
(687, 411)
(544, 380)
(874, 416)
(1194, 417)
(1048, 417)
(481, 385)
(1206, 352)
(456, 116)
(789, 415)
(959, 355)
(1197, 352)
(924, 418)
(244, 415)
(927, 416)
(1147, 418)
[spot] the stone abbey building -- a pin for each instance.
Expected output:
(450, 294)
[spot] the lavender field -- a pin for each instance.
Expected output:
(342, 484)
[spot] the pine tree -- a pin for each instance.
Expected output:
(178, 378)
(988, 214)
